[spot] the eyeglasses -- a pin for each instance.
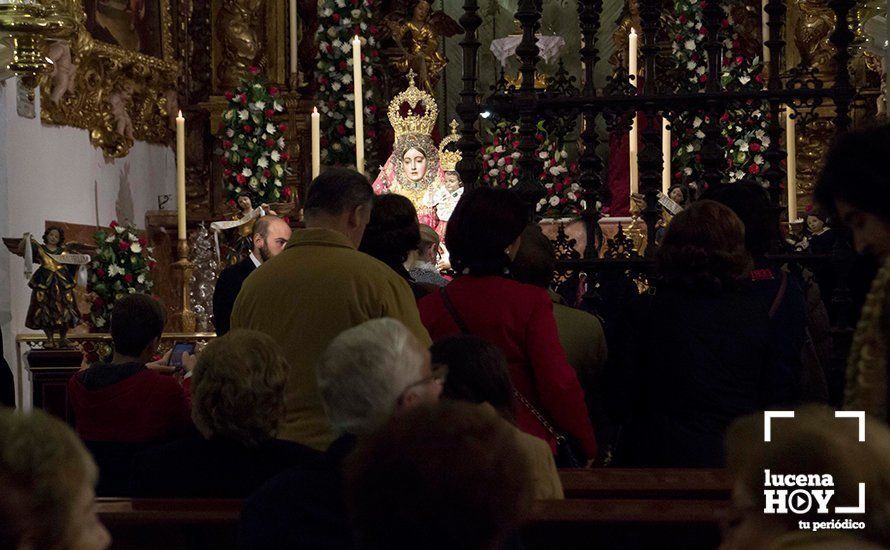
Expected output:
(438, 374)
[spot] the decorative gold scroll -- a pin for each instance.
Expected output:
(118, 94)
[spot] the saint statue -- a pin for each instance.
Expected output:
(243, 221)
(418, 38)
(413, 169)
(53, 308)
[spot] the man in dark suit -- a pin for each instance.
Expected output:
(270, 235)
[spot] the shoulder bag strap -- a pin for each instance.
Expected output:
(453, 311)
(780, 294)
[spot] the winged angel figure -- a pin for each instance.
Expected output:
(418, 38)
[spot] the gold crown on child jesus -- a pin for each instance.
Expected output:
(413, 123)
(448, 159)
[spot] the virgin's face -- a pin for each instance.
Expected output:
(814, 224)
(414, 164)
(53, 237)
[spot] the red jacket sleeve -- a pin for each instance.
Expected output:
(177, 404)
(557, 384)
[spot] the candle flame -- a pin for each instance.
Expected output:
(315, 110)
(355, 40)
(633, 31)
(180, 114)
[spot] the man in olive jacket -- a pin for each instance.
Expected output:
(319, 286)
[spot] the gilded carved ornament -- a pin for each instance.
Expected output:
(109, 86)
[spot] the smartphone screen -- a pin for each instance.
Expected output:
(178, 349)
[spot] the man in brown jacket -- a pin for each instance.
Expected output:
(317, 288)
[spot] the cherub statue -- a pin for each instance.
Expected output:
(53, 308)
(243, 220)
(443, 198)
(123, 124)
(819, 235)
(63, 70)
(418, 38)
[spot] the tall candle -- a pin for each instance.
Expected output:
(634, 130)
(791, 146)
(359, 105)
(665, 156)
(765, 31)
(316, 143)
(293, 38)
(180, 175)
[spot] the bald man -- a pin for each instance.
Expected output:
(270, 234)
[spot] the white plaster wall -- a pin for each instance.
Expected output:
(54, 173)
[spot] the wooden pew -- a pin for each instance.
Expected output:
(608, 508)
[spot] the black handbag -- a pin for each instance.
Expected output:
(568, 451)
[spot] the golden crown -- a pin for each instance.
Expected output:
(448, 159)
(413, 123)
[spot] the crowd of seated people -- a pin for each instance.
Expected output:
(351, 406)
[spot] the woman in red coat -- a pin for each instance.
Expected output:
(482, 238)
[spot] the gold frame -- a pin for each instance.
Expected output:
(141, 86)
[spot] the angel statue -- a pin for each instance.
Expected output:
(418, 38)
(243, 220)
(413, 168)
(53, 308)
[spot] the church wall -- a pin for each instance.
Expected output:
(54, 173)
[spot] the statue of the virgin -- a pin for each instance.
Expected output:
(413, 168)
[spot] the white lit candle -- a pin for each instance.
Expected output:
(791, 146)
(765, 31)
(665, 156)
(293, 38)
(316, 143)
(634, 130)
(180, 175)
(359, 105)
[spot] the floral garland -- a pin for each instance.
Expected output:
(743, 127)
(122, 265)
(501, 168)
(339, 22)
(254, 156)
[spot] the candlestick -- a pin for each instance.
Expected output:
(359, 105)
(634, 130)
(791, 146)
(180, 175)
(294, 56)
(665, 155)
(316, 142)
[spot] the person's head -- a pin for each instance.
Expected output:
(814, 442)
(751, 204)
(704, 248)
(238, 388)
(452, 181)
(536, 260)
(679, 194)
(270, 236)
(372, 370)
(54, 236)
(439, 477)
(428, 249)
(816, 220)
(483, 234)
(853, 188)
(46, 482)
(417, 159)
(393, 230)
(244, 201)
(341, 200)
(477, 372)
(137, 321)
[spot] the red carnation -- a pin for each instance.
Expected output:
(336, 18)
(724, 24)
(229, 95)
(703, 78)
(754, 147)
(241, 179)
(227, 172)
(98, 301)
(232, 202)
(227, 144)
(100, 273)
(270, 142)
(373, 29)
(269, 112)
(341, 129)
(286, 192)
(724, 118)
(682, 18)
(342, 65)
(152, 264)
(754, 169)
(266, 173)
(739, 60)
(284, 156)
(703, 31)
(123, 245)
(113, 224)
(142, 241)
(248, 161)
(248, 128)
(128, 278)
(243, 98)
(254, 71)
(282, 127)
